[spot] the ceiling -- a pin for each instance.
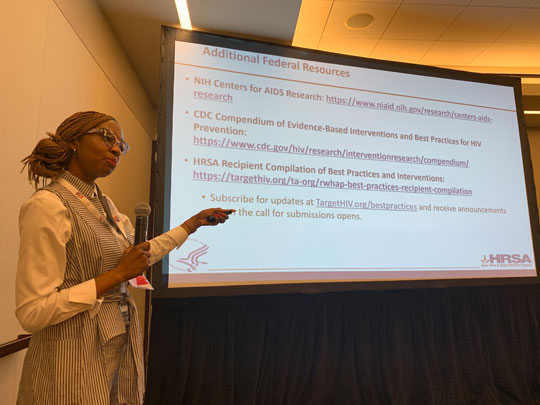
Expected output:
(453, 33)
(495, 36)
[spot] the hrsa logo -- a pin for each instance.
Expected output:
(506, 259)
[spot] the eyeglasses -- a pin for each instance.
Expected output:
(110, 139)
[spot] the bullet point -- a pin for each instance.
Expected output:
(203, 196)
(187, 112)
(185, 160)
(187, 78)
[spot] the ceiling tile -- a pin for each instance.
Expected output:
(455, 53)
(421, 21)
(312, 17)
(503, 70)
(368, 1)
(507, 54)
(504, 3)
(258, 19)
(342, 10)
(482, 23)
(439, 2)
(356, 47)
(526, 29)
(534, 60)
(401, 50)
(305, 41)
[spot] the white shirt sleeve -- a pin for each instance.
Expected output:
(162, 244)
(45, 229)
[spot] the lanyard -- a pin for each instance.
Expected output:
(90, 207)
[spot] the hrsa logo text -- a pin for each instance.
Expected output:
(507, 258)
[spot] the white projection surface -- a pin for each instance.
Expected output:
(341, 173)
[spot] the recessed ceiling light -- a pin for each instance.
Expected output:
(359, 21)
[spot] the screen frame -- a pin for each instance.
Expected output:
(162, 160)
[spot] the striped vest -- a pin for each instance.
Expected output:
(65, 363)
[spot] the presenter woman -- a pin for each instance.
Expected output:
(76, 257)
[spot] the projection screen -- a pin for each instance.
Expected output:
(343, 171)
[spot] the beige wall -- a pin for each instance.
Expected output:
(534, 140)
(59, 57)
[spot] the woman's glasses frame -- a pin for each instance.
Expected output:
(110, 139)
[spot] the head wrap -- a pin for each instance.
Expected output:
(51, 156)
